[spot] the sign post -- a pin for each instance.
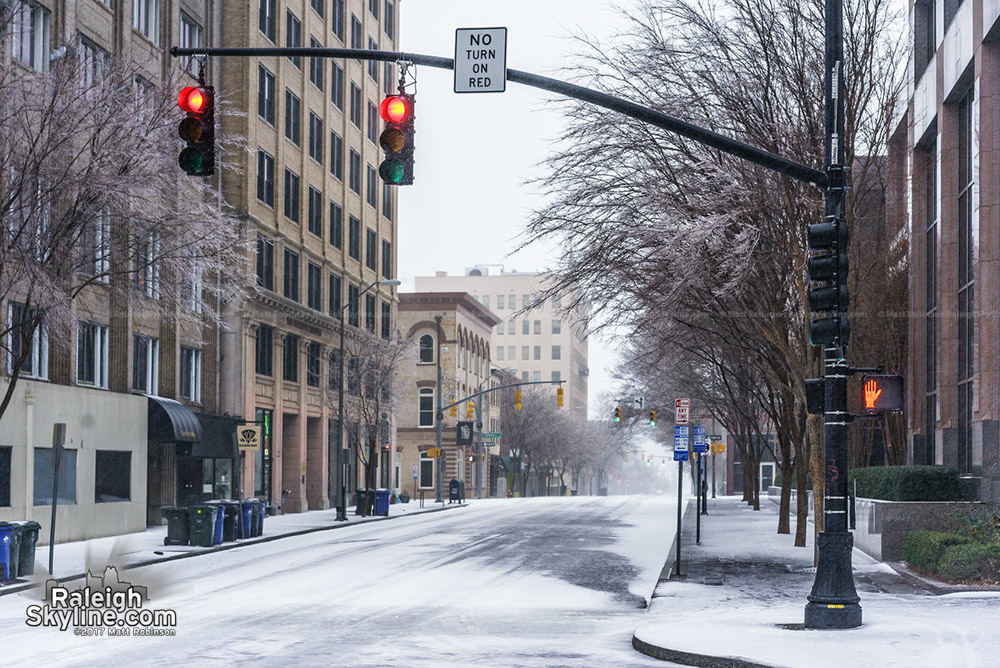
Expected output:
(480, 60)
(680, 456)
(58, 441)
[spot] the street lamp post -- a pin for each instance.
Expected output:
(479, 433)
(340, 489)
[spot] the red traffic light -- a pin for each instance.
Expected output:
(394, 109)
(194, 100)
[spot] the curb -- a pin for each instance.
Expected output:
(691, 659)
(221, 548)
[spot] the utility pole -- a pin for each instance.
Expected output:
(439, 415)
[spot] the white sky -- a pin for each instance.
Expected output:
(475, 151)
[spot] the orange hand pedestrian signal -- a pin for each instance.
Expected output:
(882, 393)
(872, 393)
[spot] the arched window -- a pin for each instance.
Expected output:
(426, 349)
(426, 407)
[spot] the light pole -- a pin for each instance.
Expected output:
(479, 432)
(342, 493)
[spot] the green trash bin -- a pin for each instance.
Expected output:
(202, 525)
(25, 563)
(178, 525)
(15, 548)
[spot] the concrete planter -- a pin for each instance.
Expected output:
(882, 525)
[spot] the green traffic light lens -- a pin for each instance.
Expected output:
(391, 171)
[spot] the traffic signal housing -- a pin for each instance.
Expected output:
(397, 139)
(559, 397)
(470, 410)
(618, 413)
(517, 400)
(453, 411)
(652, 418)
(882, 393)
(828, 293)
(198, 130)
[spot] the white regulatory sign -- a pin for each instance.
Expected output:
(480, 60)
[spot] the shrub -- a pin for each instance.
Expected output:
(906, 483)
(972, 561)
(923, 549)
(981, 524)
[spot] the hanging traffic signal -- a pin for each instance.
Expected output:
(470, 410)
(828, 294)
(559, 397)
(397, 139)
(453, 411)
(618, 413)
(198, 130)
(517, 400)
(652, 418)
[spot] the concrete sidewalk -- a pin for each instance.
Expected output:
(741, 598)
(71, 561)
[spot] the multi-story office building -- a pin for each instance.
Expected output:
(320, 221)
(535, 336)
(943, 151)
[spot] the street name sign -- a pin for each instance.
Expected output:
(480, 60)
(492, 434)
(682, 409)
(680, 456)
(700, 444)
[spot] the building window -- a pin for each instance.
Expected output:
(318, 6)
(927, 455)
(386, 320)
(968, 234)
(290, 359)
(314, 290)
(370, 313)
(337, 155)
(556, 352)
(265, 350)
(354, 237)
(293, 117)
(26, 341)
(265, 177)
(355, 33)
(536, 376)
(500, 304)
(145, 364)
(333, 371)
(525, 327)
(336, 307)
(557, 302)
(190, 374)
(355, 175)
(387, 200)
(112, 476)
(292, 206)
(372, 123)
(267, 18)
(372, 188)
(426, 346)
(556, 376)
(538, 327)
(924, 35)
(500, 353)
(388, 79)
(291, 275)
(31, 35)
(511, 353)
(353, 306)
(525, 375)
(293, 36)
(337, 19)
(386, 259)
(95, 245)
(371, 249)
(512, 326)
(373, 8)
(315, 137)
(312, 364)
(5, 476)
(426, 471)
(557, 327)
(373, 64)
(265, 262)
(538, 352)
(336, 225)
(146, 263)
(316, 212)
(146, 18)
(190, 39)
(42, 490)
(355, 105)
(426, 407)
(316, 65)
(265, 94)
(524, 353)
(353, 379)
(92, 354)
(337, 86)
(388, 23)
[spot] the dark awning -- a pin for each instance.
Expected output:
(172, 422)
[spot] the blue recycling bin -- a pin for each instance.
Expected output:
(246, 517)
(382, 502)
(220, 515)
(5, 529)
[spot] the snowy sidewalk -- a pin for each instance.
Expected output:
(741, 600)
(71, 561)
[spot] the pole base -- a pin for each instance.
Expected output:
(832, 616)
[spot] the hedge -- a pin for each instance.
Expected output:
(906, 483)
(923, 549)
(973, 561)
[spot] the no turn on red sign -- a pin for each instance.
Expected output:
(480, 60)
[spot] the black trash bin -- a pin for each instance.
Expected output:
(361, 497)
(202, 522)
(178, 525)
(231, 511)
(26, 557)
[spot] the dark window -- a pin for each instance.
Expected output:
(370, 313)
(924, 37)
(426, 346)
(189, 378)
(316, 212)
(337, 86)
(355, 105)
(355, 33)
(42, 493)
(267, 18)
(112, 476)
(265, 94)
(265, 177)
(333, 381)
(318, 5)
(354, 237)
(426, 408)
(373, 64)
(335, 304)
(337, 19)
(292, 275)
(145, 364)
(265, 262)
(386, 320)
(316, 66)
(290, 366)
(371, 249)
(386, 259)
(312, 364)
(336, 225)
(293, 36)
(389, 22)
(387, 200)
(968, 233)
(293, 117)
(292, 188)
(5, 475)
(92, 354)
(314, 297)
(337, 155)
(926, 455)
(265, 350)
(352, 304)
(389, 82)
(315, 137)
(950, 9)
(353, 376)
(355, 172)
(372, 123)
(373, 7)
(371, 188)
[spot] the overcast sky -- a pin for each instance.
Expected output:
(474, 152)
